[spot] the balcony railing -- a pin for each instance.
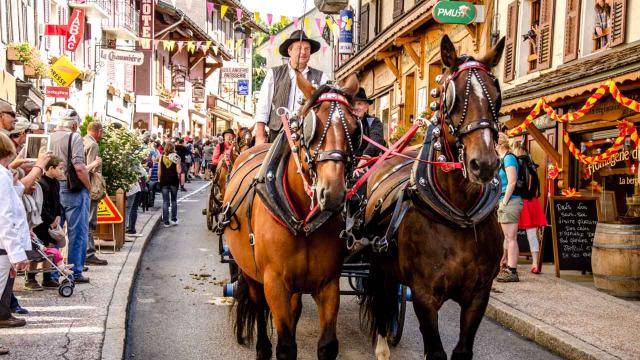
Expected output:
(123, 17)
(103, 5)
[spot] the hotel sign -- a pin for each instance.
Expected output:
(147, 9)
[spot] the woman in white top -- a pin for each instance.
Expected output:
(15, 238)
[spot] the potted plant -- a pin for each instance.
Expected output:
(20, 52)
(35, 68)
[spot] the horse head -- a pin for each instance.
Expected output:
(329, 137)
(469, 105)
(245, 139)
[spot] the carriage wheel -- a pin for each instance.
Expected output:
(210, 211)
(398, 323)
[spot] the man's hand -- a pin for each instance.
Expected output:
(261, 137)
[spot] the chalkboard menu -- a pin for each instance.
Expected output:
(574, 223)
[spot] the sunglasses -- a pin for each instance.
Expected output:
(12, 113)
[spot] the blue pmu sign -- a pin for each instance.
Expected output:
(243, 87)
(346, 32)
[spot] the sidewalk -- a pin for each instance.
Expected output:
(91, 323)
(573, 320)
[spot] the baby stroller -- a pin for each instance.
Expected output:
(65, 289)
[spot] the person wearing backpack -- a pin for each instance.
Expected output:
(510, 206)
(532, 216)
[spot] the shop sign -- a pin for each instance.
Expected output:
(454, 12)
(75, 30)
(243, 87)
(178, 78)
(234, 73)
(122, 56)
(211, 102)
(172, 115)
(346, 32)
(198, 91)
(63, 72)
(146, 22)
(147, 104)
(58, 92)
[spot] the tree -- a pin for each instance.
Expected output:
(259, 62)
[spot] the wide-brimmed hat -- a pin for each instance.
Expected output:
(297, 35)
(228, 131)
(22, 124)
(362, 96)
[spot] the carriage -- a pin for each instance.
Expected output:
(419, 223)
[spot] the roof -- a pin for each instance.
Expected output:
(576, 77)
(200, 34)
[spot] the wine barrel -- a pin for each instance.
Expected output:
(615, 259)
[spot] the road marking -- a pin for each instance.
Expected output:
(195, 192)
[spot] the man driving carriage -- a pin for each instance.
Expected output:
(371, 127)
(279, 88)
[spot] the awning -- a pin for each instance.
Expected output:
(28, 97)
(222, 114)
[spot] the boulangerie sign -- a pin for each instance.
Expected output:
(75, 30)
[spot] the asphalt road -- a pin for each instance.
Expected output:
(172, 313)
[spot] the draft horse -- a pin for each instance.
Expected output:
(286, 240)
(441, 235)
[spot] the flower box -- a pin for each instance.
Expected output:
(30, 71)
(12, 55)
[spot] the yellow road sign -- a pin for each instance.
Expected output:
(107, 212)
(63, 72)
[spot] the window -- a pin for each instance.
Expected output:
(532, 34)
(4, 15)
(602, 25)
(25, 24)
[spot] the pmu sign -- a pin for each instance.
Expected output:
(454, 12)
(75, 30)
(147, 8)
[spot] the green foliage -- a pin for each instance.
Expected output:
(83, 127)
(258, 62)
(121, 151)
(260, 37)
(399, 131)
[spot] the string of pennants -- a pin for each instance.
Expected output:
(625, 128)
(191, 46)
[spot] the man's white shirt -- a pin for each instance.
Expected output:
(263, 108)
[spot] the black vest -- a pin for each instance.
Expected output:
(281, 88)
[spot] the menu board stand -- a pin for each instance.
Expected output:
(574, 221)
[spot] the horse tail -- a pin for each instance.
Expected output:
(247, 312)
(379, 302)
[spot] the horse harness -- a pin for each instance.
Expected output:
(422, 187)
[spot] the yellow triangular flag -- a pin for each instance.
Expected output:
(238, 43)
(223, 10)
(257, 16)
(215, 49)
(191, 47)
(306, 23)
(329, 22)
(205, 47)
(145, 43)
(283, 20)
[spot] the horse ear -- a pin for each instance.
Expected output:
(350, 85)
(304, 85)
(448, 52)
(238, 127)
(252, 127)
(492, 58)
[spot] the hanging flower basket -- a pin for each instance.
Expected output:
(12, 55)
(21, 52)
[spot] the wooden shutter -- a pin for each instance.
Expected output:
(510, 42)
(364, 25)
(398, 8)
(571, 29)
(545, 36)
(618, 21)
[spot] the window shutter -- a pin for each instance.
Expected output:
(364, 25)
(398, 8)
(571, 29)
(510, 42)
(618, 21)
(545, 36)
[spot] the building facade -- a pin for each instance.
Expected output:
(563, 50)
(397, 52)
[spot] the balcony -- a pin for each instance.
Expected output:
(93, 8)
(124, 22)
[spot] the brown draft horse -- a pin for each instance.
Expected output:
(439, 260)
(280, 267)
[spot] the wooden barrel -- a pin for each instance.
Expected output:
(616, 259)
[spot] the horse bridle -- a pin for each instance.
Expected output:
(442, 109)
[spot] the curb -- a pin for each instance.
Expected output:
(545, 335)
(116, 323)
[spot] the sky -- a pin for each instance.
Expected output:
(278, 7)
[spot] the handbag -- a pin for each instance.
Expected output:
(73, 181)
(58, 235)
(98, 187)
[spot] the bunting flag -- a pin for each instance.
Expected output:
(306, 23)
(319, 25)
(168, 44)
(271, 39)
(249, 42)
(191, 46)
(324, 49)
(238, 43)
(296, 22)
(239, 14)
(180, 45)
(256, 16)
(209, 8)
(269, 19)
(145, 43)
(283, 20)
(223, 10)
(215, 49)
(329, 22)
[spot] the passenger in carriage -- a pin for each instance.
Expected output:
(279, 88)
(224, 148)
(371, 127)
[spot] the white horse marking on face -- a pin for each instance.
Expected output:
(487, 136)
(477, 91)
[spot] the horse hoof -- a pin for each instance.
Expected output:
(264, 354)
(382, 349)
